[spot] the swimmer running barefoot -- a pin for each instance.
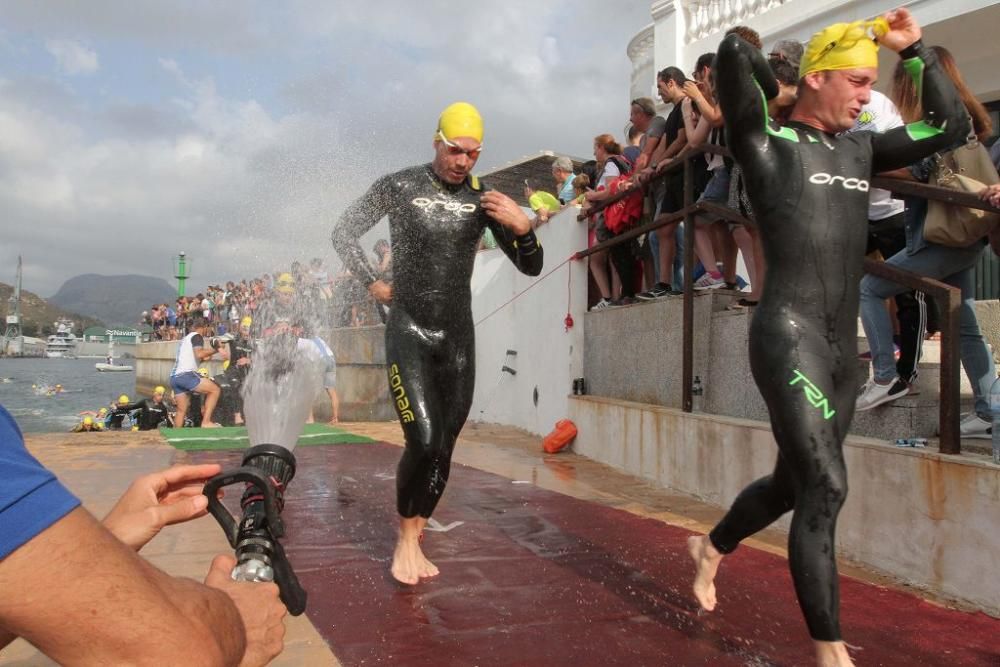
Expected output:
(808, 184)
(437, 213)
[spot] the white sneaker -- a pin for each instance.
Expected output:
(974, 426)
(873, 394)
(708, 282)
(602, 304)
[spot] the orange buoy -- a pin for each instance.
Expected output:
(560, 437)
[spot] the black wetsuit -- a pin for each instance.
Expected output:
(117, 414)
(429, 337)
(231, 382)
(809, 191)
(151, 414)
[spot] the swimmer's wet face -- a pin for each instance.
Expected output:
(839, 95)
(455, 158)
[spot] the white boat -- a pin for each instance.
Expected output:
(62, 344)
(112, 368)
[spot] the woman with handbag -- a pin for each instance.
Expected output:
(927, 254)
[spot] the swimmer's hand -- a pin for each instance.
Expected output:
(903, 30)
(381, 291)
(505, 210)
(159, 499)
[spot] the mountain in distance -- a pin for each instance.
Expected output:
(116, 300)
(38, 315)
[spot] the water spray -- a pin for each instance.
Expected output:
(284, 379)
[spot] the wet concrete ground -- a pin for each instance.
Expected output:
(558, 561)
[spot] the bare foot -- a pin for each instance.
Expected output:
(427, 568)
(210, 425)
(409, 564)
(706, 563)
(832, 654)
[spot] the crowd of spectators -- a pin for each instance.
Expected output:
(651, 263)
(344, 302)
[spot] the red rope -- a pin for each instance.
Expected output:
(518, 295)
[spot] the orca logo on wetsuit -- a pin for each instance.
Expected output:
(823, 178)
(446, 204)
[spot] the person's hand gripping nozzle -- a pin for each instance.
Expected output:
(266, 471)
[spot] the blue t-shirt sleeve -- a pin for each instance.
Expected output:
(31, 498)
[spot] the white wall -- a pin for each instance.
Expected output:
(548, 356)
(966, 27)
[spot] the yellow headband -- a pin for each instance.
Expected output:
(461, 119)
(843, 46)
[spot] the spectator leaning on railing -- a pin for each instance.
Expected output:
(951, 265)
(647, 129)
(562, 172)
(701, 118)
(670, 83)
(609, 156)
(886, 233)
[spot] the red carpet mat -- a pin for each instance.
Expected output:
(531, 577)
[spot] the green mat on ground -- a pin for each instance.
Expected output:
(235, 437)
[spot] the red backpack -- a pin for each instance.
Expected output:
(624, 213)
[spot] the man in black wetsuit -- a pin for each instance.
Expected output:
(437, 213)
(120, 409)
(809, 189)
(153, 411)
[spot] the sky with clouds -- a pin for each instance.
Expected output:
(238, 131)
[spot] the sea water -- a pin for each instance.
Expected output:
(84, 388)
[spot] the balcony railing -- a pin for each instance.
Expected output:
(706, 17)
(948, 298)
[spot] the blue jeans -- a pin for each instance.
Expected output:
(954, 266)
(678, 283)
(677, 279)
(654, 249)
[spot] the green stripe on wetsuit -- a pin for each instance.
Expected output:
(782, 132)
(921, 129)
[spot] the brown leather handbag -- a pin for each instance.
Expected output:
(968, 168)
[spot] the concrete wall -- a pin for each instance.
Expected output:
(548, 355)
(927, 518)
(361, 377)
(634, 352)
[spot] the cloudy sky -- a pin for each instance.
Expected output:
(237, 131)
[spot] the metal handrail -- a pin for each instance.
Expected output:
(947, 297)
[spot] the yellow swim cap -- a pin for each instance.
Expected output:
(102, 412)
(285, 283)
(461, 119)
(123, 400)
(843, 46)
(160, 389)
(203, 372)
(88, 421)
(246, 321)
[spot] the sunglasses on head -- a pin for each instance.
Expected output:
(456, 150)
